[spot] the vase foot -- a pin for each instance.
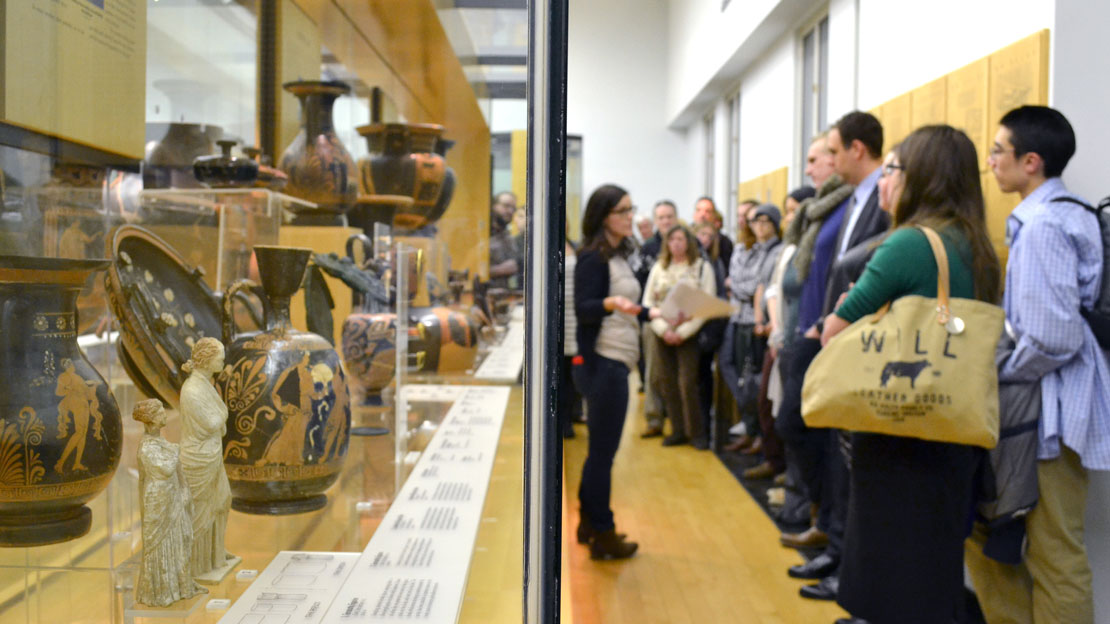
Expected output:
(280, 507)
(43, 529)
(369, 431)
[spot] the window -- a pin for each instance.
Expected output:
(710, 160)
(733, 162)
(815, 79)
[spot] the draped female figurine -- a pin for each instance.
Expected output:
(203, 424)
(165, 573)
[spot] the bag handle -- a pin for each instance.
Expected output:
(944, 314)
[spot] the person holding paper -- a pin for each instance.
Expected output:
(606, 292)
(676, 376)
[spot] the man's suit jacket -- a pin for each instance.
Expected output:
(871, 223)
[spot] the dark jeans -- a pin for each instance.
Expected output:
(705, 388)
(816, 452)
(604, 382)
(738, 345)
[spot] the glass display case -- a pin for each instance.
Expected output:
(372, 372)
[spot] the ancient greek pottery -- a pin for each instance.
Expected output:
(403, 162)
(169, 159)
(289, 412)
(224, 170)
(449, 181)
(371, 209)
(319, 167)
(268, 176)
(164, 307)
(60, 433)
(441, 340)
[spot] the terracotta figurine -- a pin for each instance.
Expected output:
(203, 424)
(165, 574)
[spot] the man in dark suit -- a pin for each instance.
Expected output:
(856, 143)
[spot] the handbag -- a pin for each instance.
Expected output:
(712, 332)
(920, 367)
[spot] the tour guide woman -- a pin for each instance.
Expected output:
(910, 499)
(606, 292)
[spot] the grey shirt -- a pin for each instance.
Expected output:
(748, 268)
(620, 333)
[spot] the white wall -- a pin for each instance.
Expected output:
(616, 92)
(1080, 91)
(945, 35)
(767, 112)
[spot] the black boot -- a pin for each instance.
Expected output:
(586, 532)
(610, 545)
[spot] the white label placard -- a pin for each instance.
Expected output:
(505, 360)
(415, 566)
(297, 587)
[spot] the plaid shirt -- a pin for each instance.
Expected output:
(1054, 268)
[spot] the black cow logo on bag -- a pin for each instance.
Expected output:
(909, 370)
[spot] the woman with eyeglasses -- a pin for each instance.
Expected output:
(606, 294)
(910, 500)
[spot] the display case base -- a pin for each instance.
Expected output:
(215, 575)
(178, 610)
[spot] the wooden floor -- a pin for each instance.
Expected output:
(708, 553)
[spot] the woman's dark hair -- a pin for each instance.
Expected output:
(942, 189)
(601, 203)
(691, 246)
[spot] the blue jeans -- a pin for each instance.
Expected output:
(604, 382)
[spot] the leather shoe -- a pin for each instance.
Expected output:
(810, 538)
(652, 432)
(675, 439)
(739, 443)
(825, 589)
(820, 566)
(755, 448)
(762, 471)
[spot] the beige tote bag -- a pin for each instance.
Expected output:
(924, 369)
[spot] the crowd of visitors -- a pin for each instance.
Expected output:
(895, 518)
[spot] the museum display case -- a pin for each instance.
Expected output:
(288, 180)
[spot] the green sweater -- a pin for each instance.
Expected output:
(904, 265)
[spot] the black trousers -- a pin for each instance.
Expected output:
(604, 382)
(815, 452)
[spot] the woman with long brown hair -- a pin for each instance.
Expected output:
(606, 293)
(911, 500)
(676, 376)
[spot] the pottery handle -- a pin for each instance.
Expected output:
(228, 304)
(367, 248)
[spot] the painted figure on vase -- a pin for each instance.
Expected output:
(165, 573)
(203, 425)
(79, 404)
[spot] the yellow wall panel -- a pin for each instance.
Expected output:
(929, 104)
(896, 121)
(1018, 75)
(967, 105)
(999, 207)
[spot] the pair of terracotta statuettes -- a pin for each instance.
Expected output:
(184, 492)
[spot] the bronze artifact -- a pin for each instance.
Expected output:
(289, 412)
(60, 433)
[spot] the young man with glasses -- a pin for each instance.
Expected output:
(1052, 273)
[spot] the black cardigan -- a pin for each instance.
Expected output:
(591, 287)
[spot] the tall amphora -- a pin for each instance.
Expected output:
(60, 433)
(289, 414)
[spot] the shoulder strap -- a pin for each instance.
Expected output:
(941, 256)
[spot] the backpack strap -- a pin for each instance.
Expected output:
(1102, 205)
